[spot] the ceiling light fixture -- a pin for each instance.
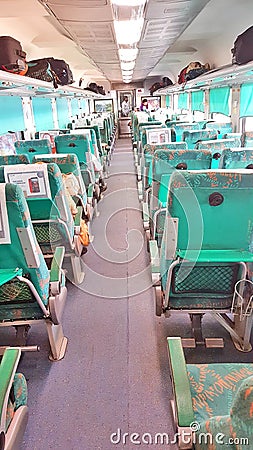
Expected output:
(128, 25)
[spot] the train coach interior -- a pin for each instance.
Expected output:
(126, 241)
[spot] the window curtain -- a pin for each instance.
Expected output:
(168, 101)
(219, 100)
(198, 101)
(246, 100)
(183, 100)
(62, 112)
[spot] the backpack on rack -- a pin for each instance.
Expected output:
(194, 73)
(62, 70)
(12, 56)
(243, 49)
(181, 76)
(41, 70)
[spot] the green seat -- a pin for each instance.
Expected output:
(69, 164)
(238, 158)
(212, 402)
(192, 137)
(146, 161)
(179, 128)
(165, 162)
(13, 404)
(34, 147)
(216, 146)
(52, 219)
(79, 145)
(14, 159)
(220, 127)
(29, 291)
(247, 139)
(202, 254)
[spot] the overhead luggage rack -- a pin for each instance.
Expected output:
(24, 86)
(232, 74)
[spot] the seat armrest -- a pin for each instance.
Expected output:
(180, 382)
(56, 270)
(77, 221)
(90, 191)
(8, 369)
(154, 255)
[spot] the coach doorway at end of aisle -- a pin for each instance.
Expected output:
(124, 129)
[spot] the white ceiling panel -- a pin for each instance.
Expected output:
(90, 25)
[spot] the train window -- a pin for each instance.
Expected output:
(221, 118)
(43, 113)
(62, 111)
(11, 116)
(198, 116)
(248, 124)
(197, 101)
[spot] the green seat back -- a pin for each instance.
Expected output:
(192, 137)
(8, 160)
(220, 127)
(67, 164)
(239, 158)
(247, 139)
(79, 145)
(34, 147)
(179, 128)
(216, 147)
(210, 207)
(16, 299)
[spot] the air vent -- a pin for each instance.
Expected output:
(76, 3)
(91, 32)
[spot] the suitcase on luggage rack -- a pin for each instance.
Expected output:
(12, 56)
(243, 50)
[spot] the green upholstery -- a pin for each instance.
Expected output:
(148, 151)
(79, 145)
(232, 136)
(247, 139)
(179, 128)
(204, 237)
(216, 147)
(13, 389)
(14, 159)
(217, 397)
(164, 164)
(34, 147)
(143, 133)
(97, 138)
(192, 137)
(220, 127)
(59, 232)
(16, 300)
(34, 295)
(67, 164)
(238, 158)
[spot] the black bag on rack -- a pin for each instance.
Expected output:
(12, 56)
(62, 70)
(243, 47)
(41, 70)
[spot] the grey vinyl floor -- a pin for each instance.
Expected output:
(114, 380)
